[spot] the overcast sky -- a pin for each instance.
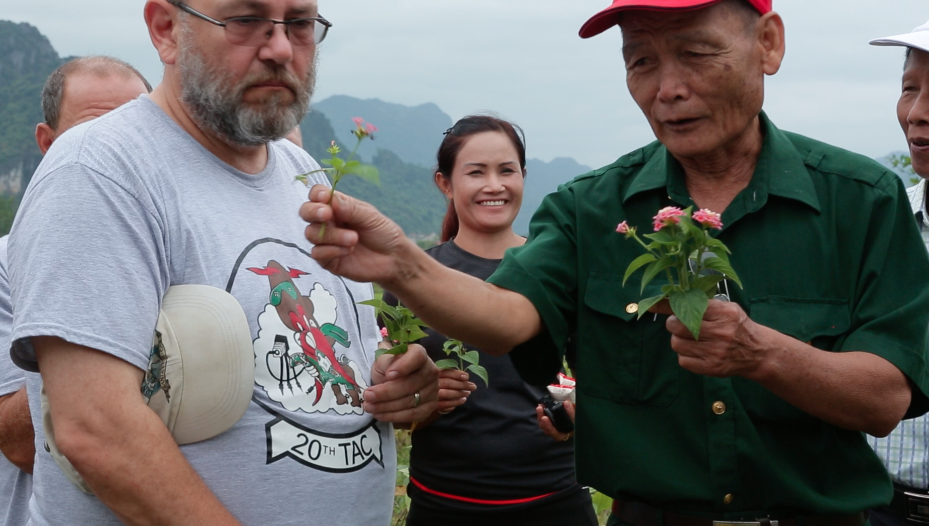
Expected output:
(524, 60)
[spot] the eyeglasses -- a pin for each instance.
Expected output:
(252, 31)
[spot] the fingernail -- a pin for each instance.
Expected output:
(393, 375)
(370, 397)
(472, 385)
(464, 376)
(346, 238)
(319, 214)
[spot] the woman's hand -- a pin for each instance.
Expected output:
(454, 389)
(548, 427)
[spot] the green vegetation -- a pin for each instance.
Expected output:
(26, 60)
(407, 193)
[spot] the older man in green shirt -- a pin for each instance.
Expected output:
(763, 418)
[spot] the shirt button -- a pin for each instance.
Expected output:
(728, 499)
(632, 308)
(719, 408)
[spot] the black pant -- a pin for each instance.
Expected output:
(883, 517)
(571, 508)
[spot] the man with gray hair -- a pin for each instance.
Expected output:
(905, 452)
(193, 185)
(77, 91)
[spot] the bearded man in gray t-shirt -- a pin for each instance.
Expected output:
(192, 186)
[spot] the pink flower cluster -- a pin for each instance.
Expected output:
(384, 334)
(669, 215)
(623, 228)
(363, 129)
(708, 219)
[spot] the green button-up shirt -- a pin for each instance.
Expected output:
(826, 247)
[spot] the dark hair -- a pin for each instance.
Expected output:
(906, 57)
(455, 137)
(54, 89)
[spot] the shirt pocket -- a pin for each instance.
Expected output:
(628, 360)
(819, 322)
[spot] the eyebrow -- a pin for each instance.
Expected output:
(262, 8)
(485, 164)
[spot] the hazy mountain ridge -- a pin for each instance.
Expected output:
(26, 59)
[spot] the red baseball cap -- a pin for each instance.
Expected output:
(607, 18)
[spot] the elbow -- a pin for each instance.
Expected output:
(885, 418)
(79, 444)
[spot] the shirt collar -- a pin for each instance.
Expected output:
(780, 171)
(917, 195)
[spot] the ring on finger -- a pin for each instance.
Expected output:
(417, 398)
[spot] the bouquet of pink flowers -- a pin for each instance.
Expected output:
(693, 262)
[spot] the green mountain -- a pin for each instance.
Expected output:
(413, 133)
(406, 194)
(26, 60)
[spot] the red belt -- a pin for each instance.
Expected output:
(477, 501)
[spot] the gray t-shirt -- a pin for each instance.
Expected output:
(15, 484)
(128, 204)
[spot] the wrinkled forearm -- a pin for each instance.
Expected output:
(462, 306)
(852, 390)
(17, 439)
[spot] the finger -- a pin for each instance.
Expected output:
(315, 212)
(412, 361)
(456, 385)
(452, 394)
(677, 328)
(420, 375)
(448, 405)
(545, 424)
(320, 193)
(330, 234)
(569, 408)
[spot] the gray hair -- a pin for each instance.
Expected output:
(54, 89)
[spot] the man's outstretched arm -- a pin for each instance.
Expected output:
(362, 244)
(111, 436)
(17, 439)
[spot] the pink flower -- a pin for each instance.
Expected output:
(708, 219)
(370, 128)
(669, 215)
(623, 228)
(358, 121)
(384, 332)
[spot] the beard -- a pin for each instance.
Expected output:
(215, 101)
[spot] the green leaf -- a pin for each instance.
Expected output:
(689, 307)
(337, 163)
(638, 263)
(394, 351)
(448, 363)
(662, 237)
(720, 252)
(719, 265)
(708, 283)
(648, 303)
(653, 269)
(369, 173)
(452, 346)
(480, 371)
(471, 357)
(415, 333)
(712, 243)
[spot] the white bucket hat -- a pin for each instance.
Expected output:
(918, 38)
(201, 369)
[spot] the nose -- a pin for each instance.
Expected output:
(919, 112)
(672, 84)
(495, 183)
(278, 48)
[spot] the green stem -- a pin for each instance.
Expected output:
(335, 181)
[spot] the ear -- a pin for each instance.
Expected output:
(162, 29)
(444, 184)
(44, 137)
(771, 38)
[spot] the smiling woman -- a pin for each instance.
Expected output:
(509, 472)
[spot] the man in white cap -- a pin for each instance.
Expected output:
(195, 186)
(762, 419)
(77, 91)
(906, 451)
